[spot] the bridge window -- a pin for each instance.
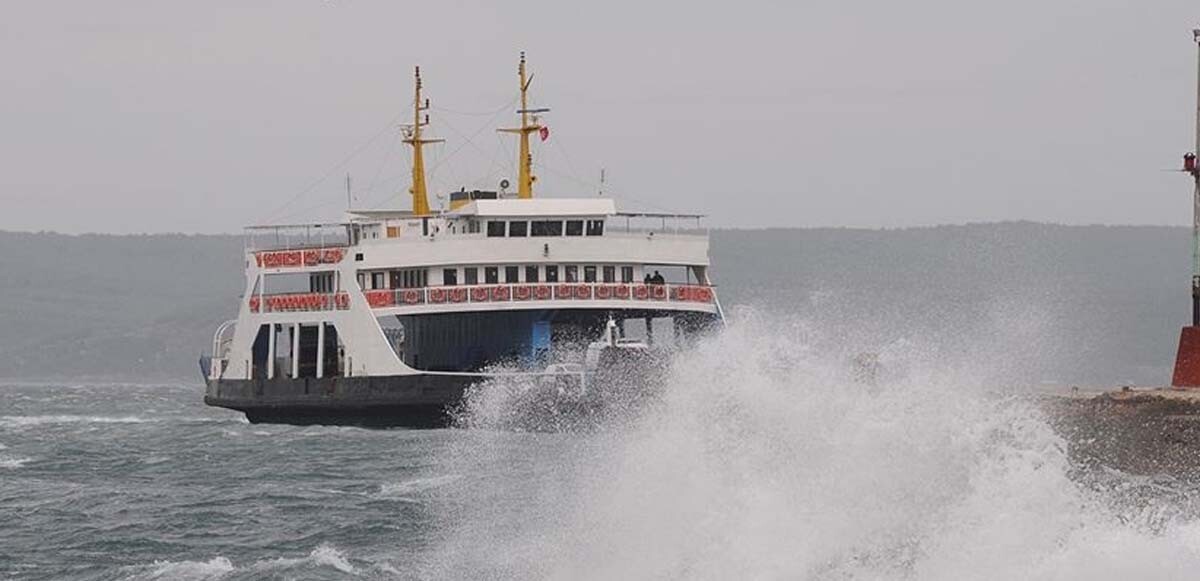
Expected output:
(491, 275)
(626, 274)
(518, 229)
(531, 274)
(377, 280)
(574, 227)
(610, 274)
(572, 273)
(512, 274)
(546, 228)
(595, 227)
(471, 275)
(450, 276)
(495, 229)
(589, 274)
(551, 273)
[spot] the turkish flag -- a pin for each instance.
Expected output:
(544, 133)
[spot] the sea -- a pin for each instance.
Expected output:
(763, 456)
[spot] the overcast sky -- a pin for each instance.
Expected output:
(206, 116)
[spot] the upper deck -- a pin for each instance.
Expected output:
(493, 231)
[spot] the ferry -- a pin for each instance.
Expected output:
(389, 316)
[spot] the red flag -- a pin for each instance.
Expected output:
(544, 133)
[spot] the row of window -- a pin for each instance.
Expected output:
(534, 273)
(543, 228)
(469, 275)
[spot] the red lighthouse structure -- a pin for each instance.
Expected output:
(1187, 359)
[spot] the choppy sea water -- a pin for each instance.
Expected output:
(761, 459)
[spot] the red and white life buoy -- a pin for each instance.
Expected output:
(583, 291)
(522, 292)
(437, 295)
(562, 291)
(603, 291)
(458, 295)
(500, 293)
(702, 295)
(658, 292)
(641, 292)
(542, 293)
(621, 292)
(479, 294)
(412, 297)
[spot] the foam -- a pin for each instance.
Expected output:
(27, 421)
(214, 568)
(13, 463)
(763, 459)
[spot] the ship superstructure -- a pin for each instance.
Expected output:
(389, 315)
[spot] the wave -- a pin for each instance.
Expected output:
(27, 421)
(214, 568)
(219, 567)
(13, 463)
(766, 457)
(399, 490)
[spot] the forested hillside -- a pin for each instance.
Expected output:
(1070, 304)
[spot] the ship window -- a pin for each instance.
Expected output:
(610, 274)
(377, 280)
(471, 275)
(626, 274)
(408, 278)
(512, 274)
(531, 274)
(491, 275)
(518, 229)
(589, 274)
(450, 276)
(358, 257)
(546, 228)
(595, 228)
(574, 227)
(472, 226)
(571, 272)
(496, 228)
(551, 273)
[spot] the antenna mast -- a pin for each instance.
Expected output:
(1190, 166)
(525, 177)
(420, 199)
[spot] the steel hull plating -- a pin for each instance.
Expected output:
(422, 400)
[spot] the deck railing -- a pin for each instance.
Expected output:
(489, 293)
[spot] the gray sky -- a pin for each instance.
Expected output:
(205, 116)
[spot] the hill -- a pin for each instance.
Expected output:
(1091, 304)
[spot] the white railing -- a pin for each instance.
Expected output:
(487, 293)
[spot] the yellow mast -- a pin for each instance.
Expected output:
(525, 177)
(420, 199)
